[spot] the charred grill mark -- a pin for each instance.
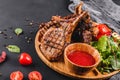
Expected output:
(54, 41)
(45, 26)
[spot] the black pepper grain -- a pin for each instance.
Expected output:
(4, 45)
(31, 32)
(5, 37)
(5, 29)
(5, 34)
(10, 27)
(38, 23)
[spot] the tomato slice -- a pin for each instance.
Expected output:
(100, 35)
(16, 75)
(35, 75)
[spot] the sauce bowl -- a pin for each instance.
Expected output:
(79, 69)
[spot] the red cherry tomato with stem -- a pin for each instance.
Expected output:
(16, 75)
(35, 75)
(25, 59)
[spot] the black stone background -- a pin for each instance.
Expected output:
(13, 14)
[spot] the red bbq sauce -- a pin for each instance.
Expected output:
(81, 58)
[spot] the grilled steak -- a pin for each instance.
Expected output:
(55, 39)
(45, 26)
(52, 43)
(56, 34)
(57, 21)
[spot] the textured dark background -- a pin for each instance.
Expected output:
(13, 14)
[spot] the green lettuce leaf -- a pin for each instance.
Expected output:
(115, 63)
(102, 43)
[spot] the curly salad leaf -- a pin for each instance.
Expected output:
(110, 54)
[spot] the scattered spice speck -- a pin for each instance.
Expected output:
(10, 27)
(5, 29)
(26, 19)
(5, 37)
(31, 23)
(4, 45)
(31, 32)
(1, 32)
(26, 37)
(28, 41)
(11, 37)
(5, 34)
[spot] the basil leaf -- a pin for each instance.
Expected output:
(18, 31)
(13, 48)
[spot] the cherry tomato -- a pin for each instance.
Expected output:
(16, 75)
(103, 30)
(25, 59)
(100, 35)
(3, 56)
(35, 75)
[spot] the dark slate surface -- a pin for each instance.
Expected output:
(13, 14)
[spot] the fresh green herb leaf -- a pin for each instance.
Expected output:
(13, 48)
(118, 54)
(94, 43)
(102, 43)
(115, 63)
(18, 31)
